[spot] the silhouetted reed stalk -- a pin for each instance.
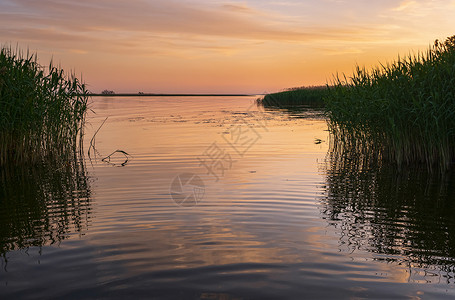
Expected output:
(42, 112)
(404, 111)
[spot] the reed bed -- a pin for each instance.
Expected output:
(403, 112)
(302, 96)
(42, 110)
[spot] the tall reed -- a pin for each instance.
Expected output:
(403, 111)
(42, 110)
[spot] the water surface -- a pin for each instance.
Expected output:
(272, 217)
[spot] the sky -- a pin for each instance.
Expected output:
(195, 46)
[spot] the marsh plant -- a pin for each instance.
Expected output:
(403, 112)
(42, 110)
(300, 96)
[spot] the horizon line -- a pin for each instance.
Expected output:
(173, 94)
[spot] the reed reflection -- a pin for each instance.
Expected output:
(43, 204)
(302, 111)
(406, 216)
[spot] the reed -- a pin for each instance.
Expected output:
(42, 110)
(403, 112)
(311, 96)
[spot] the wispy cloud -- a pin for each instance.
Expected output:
(179, 36)
(115, 19)
(425, 8)
(243, 8)
(404, 5)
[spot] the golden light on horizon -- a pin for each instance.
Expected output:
(224, 46)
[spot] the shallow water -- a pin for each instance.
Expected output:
(218, 199)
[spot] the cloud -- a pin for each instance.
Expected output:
(113, 20)
(177, 38)
(407, 4)
(239, 8)
(424, 8)
(194, 29)
(342, 51)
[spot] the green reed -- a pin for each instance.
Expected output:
(42, 110)
(307, 96)
(403, 111)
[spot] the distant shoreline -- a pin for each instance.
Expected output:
(172, 95)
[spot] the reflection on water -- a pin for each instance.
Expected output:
(274, 225)
(299, 112)
(403, 216)
(42, 205)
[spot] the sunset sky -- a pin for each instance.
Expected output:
(194, 46)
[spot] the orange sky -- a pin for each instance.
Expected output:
(195, 46)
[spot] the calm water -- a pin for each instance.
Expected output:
(217, 199)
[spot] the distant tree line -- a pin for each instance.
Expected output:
(107, 92)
